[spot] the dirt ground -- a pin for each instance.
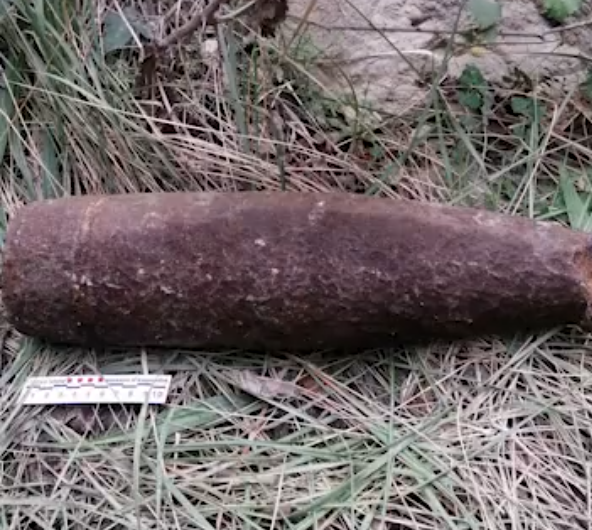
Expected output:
(385, 49)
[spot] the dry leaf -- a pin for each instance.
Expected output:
(261, 386)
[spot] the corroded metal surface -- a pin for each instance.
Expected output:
(284, 270)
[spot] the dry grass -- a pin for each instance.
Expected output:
(487, 434)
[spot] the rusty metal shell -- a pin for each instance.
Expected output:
(284, 271)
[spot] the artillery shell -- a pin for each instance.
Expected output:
(285, 271)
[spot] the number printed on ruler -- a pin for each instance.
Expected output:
(89, 389)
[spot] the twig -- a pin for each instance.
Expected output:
(149, 63)
(234, 14)
(563, 29)
(203, 17)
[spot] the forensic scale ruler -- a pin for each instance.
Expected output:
(96, 389)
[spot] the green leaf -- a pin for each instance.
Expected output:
(471, 99)
(49, 166)
(6, 112)
(577, 208)
(489, 35)
(520, 130)
(473, 88)
(5, 4)
(10, 88)
(117, 34)
(118, 28)
(472, 77)
(559, 10)
(529, 107)
(486, 13)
